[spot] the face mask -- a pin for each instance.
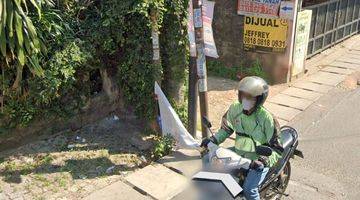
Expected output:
(248, 103)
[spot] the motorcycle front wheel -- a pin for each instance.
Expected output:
(277, 188)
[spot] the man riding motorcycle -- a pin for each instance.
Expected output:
(253, 126)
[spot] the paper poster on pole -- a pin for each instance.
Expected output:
(191, 30)
(265, 34)
(208, 14)
(206, 23)
(260, 8)
(301, 41)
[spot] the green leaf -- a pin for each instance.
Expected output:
(19, 29)
(28, 44)
(30, 27)
(21, 56)
(3, 42)
(1, 9)
(11, 44)
(35, 67)
(4, 14)
(10, 17)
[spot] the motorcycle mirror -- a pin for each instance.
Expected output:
(206, 122)
(263, 150)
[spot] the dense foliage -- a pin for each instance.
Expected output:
(72, 41)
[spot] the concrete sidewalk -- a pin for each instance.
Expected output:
(165, 179)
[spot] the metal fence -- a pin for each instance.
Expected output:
(332, 22)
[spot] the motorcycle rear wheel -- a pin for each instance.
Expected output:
(277, 188)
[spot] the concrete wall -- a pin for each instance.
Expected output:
(228, 34)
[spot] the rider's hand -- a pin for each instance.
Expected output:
(256, 164)
(264, 160)
(260, 163)
(206, 141)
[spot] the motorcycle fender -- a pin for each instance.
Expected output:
(298, 153)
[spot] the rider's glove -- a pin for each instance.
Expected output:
(260, 163)
(264, 160)
(206, 141)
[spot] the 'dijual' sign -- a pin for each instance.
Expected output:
(262, 21)
(265, 34)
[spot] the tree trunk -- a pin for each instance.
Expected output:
(108, 85)
(17, 82)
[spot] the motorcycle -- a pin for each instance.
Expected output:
(274, 184)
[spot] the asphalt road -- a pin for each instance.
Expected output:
(330, 139)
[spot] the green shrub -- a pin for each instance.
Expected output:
(217, 68)
(163, 146)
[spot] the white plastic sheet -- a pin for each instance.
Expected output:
(171, 123)
(225, 159)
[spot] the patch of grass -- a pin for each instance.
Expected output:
(61, 180)
(10, 166)
(256, 70)
(46, 160)
(45, 182)
(217, 68)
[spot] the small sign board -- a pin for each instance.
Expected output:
(261, 8)
(197, 18)
(287, 10)
(265, 34)
(301, 41)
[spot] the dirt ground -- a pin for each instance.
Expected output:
(70, 165)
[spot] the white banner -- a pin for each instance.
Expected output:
(208, 14)
(171, 123)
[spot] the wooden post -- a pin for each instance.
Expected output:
(201, 63)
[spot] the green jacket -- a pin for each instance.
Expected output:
(259, 125)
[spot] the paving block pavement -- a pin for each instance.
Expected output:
(354, 52)
(302, 93)
(347, 65)
(289, 101)
(315, 87)
(349, 59)
(326, 78)
(337, 70)
(117, 191)
(158, 181)
(282, 112)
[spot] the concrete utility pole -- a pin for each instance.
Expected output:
(200, 62)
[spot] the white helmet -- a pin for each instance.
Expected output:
(256, 87)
